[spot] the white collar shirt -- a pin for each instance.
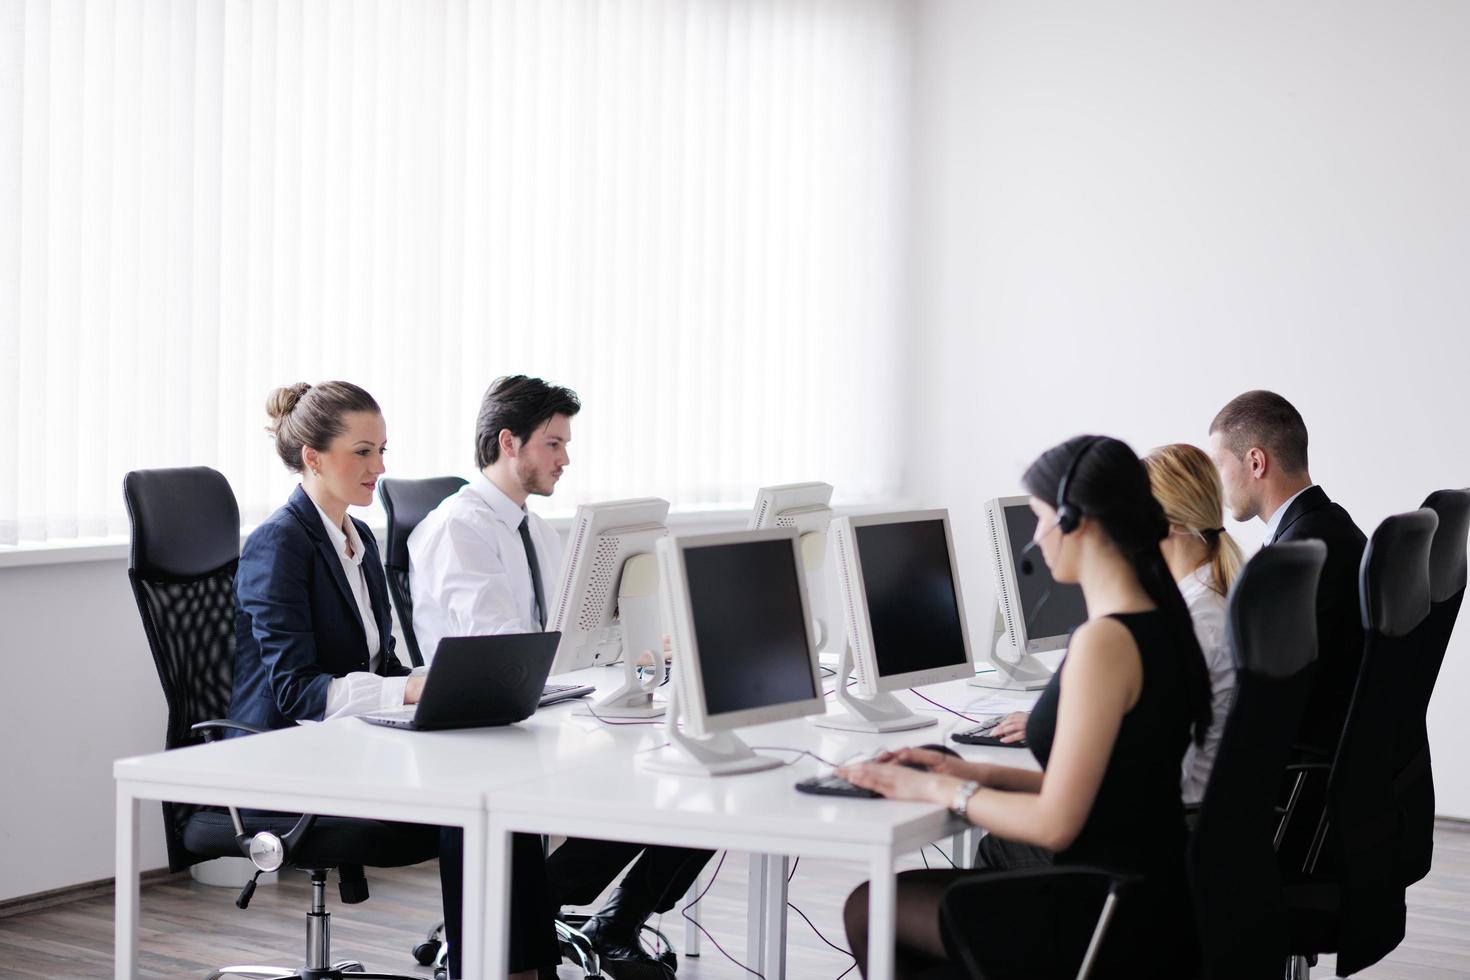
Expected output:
(1274, 524)
(1208, 611)
(468, 568)
(362, 690)
(356, 580)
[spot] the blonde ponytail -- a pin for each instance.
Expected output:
(1187, 486)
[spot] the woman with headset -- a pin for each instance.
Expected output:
(1109, 731)
(314, 636)
(1204, 560)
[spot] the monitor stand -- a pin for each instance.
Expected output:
(639, 619)
(878, 713)
(1013, 671)
(721, 754)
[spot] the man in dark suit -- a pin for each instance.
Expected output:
(1259, 443)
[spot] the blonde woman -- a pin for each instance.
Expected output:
(1204, 561)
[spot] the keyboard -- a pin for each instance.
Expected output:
(833, 785)
(980, 735)
(557, 693)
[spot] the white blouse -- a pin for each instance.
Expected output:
(1208, 610)
(362, 690)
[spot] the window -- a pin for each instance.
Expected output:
(689, 211)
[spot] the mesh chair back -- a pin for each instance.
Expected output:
(1413, 773)
(1232, 861)
(1365, 827)
(407, 502)
(185, 548)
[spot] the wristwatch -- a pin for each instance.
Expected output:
(960, 802)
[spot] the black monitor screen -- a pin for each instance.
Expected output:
(749, 624)
(912, 606)
(1064, 609)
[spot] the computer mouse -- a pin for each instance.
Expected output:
(943, 749)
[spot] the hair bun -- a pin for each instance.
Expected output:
(281, 401)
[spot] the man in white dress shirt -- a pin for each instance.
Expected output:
(481, 563)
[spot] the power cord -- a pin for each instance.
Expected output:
(705, 932)
(799, 754)
(812, 925)
(944, 707)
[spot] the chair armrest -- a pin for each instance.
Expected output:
(210, 729)
(968, 898)
(1309, 767)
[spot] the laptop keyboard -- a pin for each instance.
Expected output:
(555, 693)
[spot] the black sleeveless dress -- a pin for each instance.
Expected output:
(1041, 927)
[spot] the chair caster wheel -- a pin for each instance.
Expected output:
(426, 953)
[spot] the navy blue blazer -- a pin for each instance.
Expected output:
(296, 621)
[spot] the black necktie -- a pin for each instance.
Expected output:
(535, 570)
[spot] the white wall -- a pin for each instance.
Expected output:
(1127, 213)
(81, 691)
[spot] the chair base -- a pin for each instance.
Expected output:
(341, 970)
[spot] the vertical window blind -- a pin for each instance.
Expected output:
(690, 211)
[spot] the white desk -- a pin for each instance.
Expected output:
(757, 812)
(540, 776)
(351, 769)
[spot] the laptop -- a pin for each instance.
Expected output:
(482, 681)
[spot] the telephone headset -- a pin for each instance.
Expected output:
(1069, 516)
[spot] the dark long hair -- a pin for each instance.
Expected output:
(1110, 485)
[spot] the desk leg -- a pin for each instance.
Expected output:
(765, 934)
(496, 865)
(962, 848)
(691, 916)
(882, 916)
(474, 874)
(755, 913)
(125, 922)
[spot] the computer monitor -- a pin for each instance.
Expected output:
(806, 507)
(1035, 612)
(736, 608)
(904, 615)
(607, 609)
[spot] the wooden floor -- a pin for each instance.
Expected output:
(189, 929)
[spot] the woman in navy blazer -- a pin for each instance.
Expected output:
(314, 631)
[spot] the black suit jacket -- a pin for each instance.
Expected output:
(296, 621)
(1312, 516)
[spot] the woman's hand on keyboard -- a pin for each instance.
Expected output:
(414, 689)
(1011, 728)
(939, 763)
(899, 782)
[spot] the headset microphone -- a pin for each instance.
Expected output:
(1027, 568)
(1068, 515)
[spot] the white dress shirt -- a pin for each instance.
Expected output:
(1274, 524)
(468, 567)
(360, 691)
(1208, 610)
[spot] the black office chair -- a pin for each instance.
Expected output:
(1233, 876)
(185, 549)
(407, 502)
(1348, 895)
(1413, 774)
